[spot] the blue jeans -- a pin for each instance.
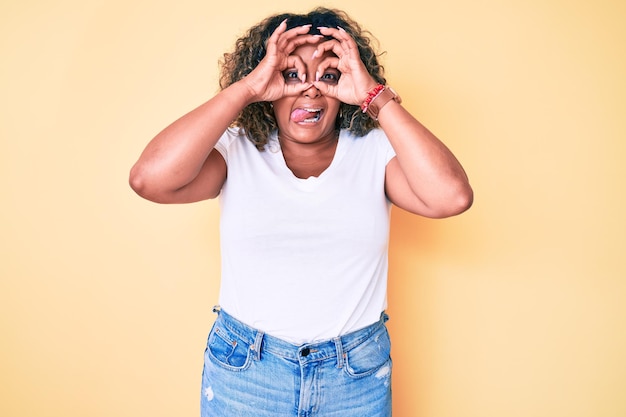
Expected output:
(251, 374)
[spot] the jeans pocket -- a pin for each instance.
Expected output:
(227, 349)
(370, 356)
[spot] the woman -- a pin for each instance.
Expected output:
(307, 148)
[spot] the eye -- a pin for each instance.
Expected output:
(291, 75)
(331, 77)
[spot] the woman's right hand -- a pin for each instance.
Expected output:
(267, 81)
(180, 165)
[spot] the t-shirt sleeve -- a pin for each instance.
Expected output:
(385, 147)
(390, 152)
(227, 138)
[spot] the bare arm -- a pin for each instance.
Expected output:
(180, 165)
(424, 178)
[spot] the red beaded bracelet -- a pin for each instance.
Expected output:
(371, 95)
(377, 98)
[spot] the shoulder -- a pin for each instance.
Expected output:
(234, 140)
(228, 138)
(374, 141)
(375, 136)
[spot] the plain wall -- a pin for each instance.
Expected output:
(515, 308)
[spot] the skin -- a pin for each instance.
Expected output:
(300, 71)
(308, 148)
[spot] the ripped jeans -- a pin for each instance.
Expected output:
(248, 373)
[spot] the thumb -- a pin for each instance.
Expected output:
(297, 88)
(325, 89)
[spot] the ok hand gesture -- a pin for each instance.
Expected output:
(266, 82)
(355, 81)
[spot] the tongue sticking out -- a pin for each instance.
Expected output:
(300, 115)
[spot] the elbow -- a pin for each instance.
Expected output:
(461, 201)
(456, 203)
(139, 182)
(465, 199)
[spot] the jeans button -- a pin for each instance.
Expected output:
(305, 352)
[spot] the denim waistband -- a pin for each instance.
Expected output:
(309, 352)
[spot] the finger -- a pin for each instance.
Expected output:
(300, 30)
(331, 45)
(329, 62)
(301, 40)
(347, 42)
(339, 34)
(326, 89)
(287, 36)
(297, 89)
(273, 39)
(294, 61)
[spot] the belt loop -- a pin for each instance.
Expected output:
(339, 349)
(256, 347)
(384, 317)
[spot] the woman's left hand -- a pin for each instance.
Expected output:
(424, 177)
(355, 82)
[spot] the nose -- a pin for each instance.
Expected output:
(312, 92)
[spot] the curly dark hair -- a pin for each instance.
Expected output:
(257, 119)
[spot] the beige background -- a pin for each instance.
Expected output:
(515, 308)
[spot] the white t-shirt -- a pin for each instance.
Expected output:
(305, 259)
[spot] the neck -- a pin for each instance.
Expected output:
(306, 150)
(309, 159)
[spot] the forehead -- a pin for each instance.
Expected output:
(306, 51)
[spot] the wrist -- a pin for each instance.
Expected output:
(244, 91)
(377, 98)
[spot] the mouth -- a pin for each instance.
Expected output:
(306, 115)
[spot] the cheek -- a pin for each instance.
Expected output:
(281, 112)
(333, 110)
